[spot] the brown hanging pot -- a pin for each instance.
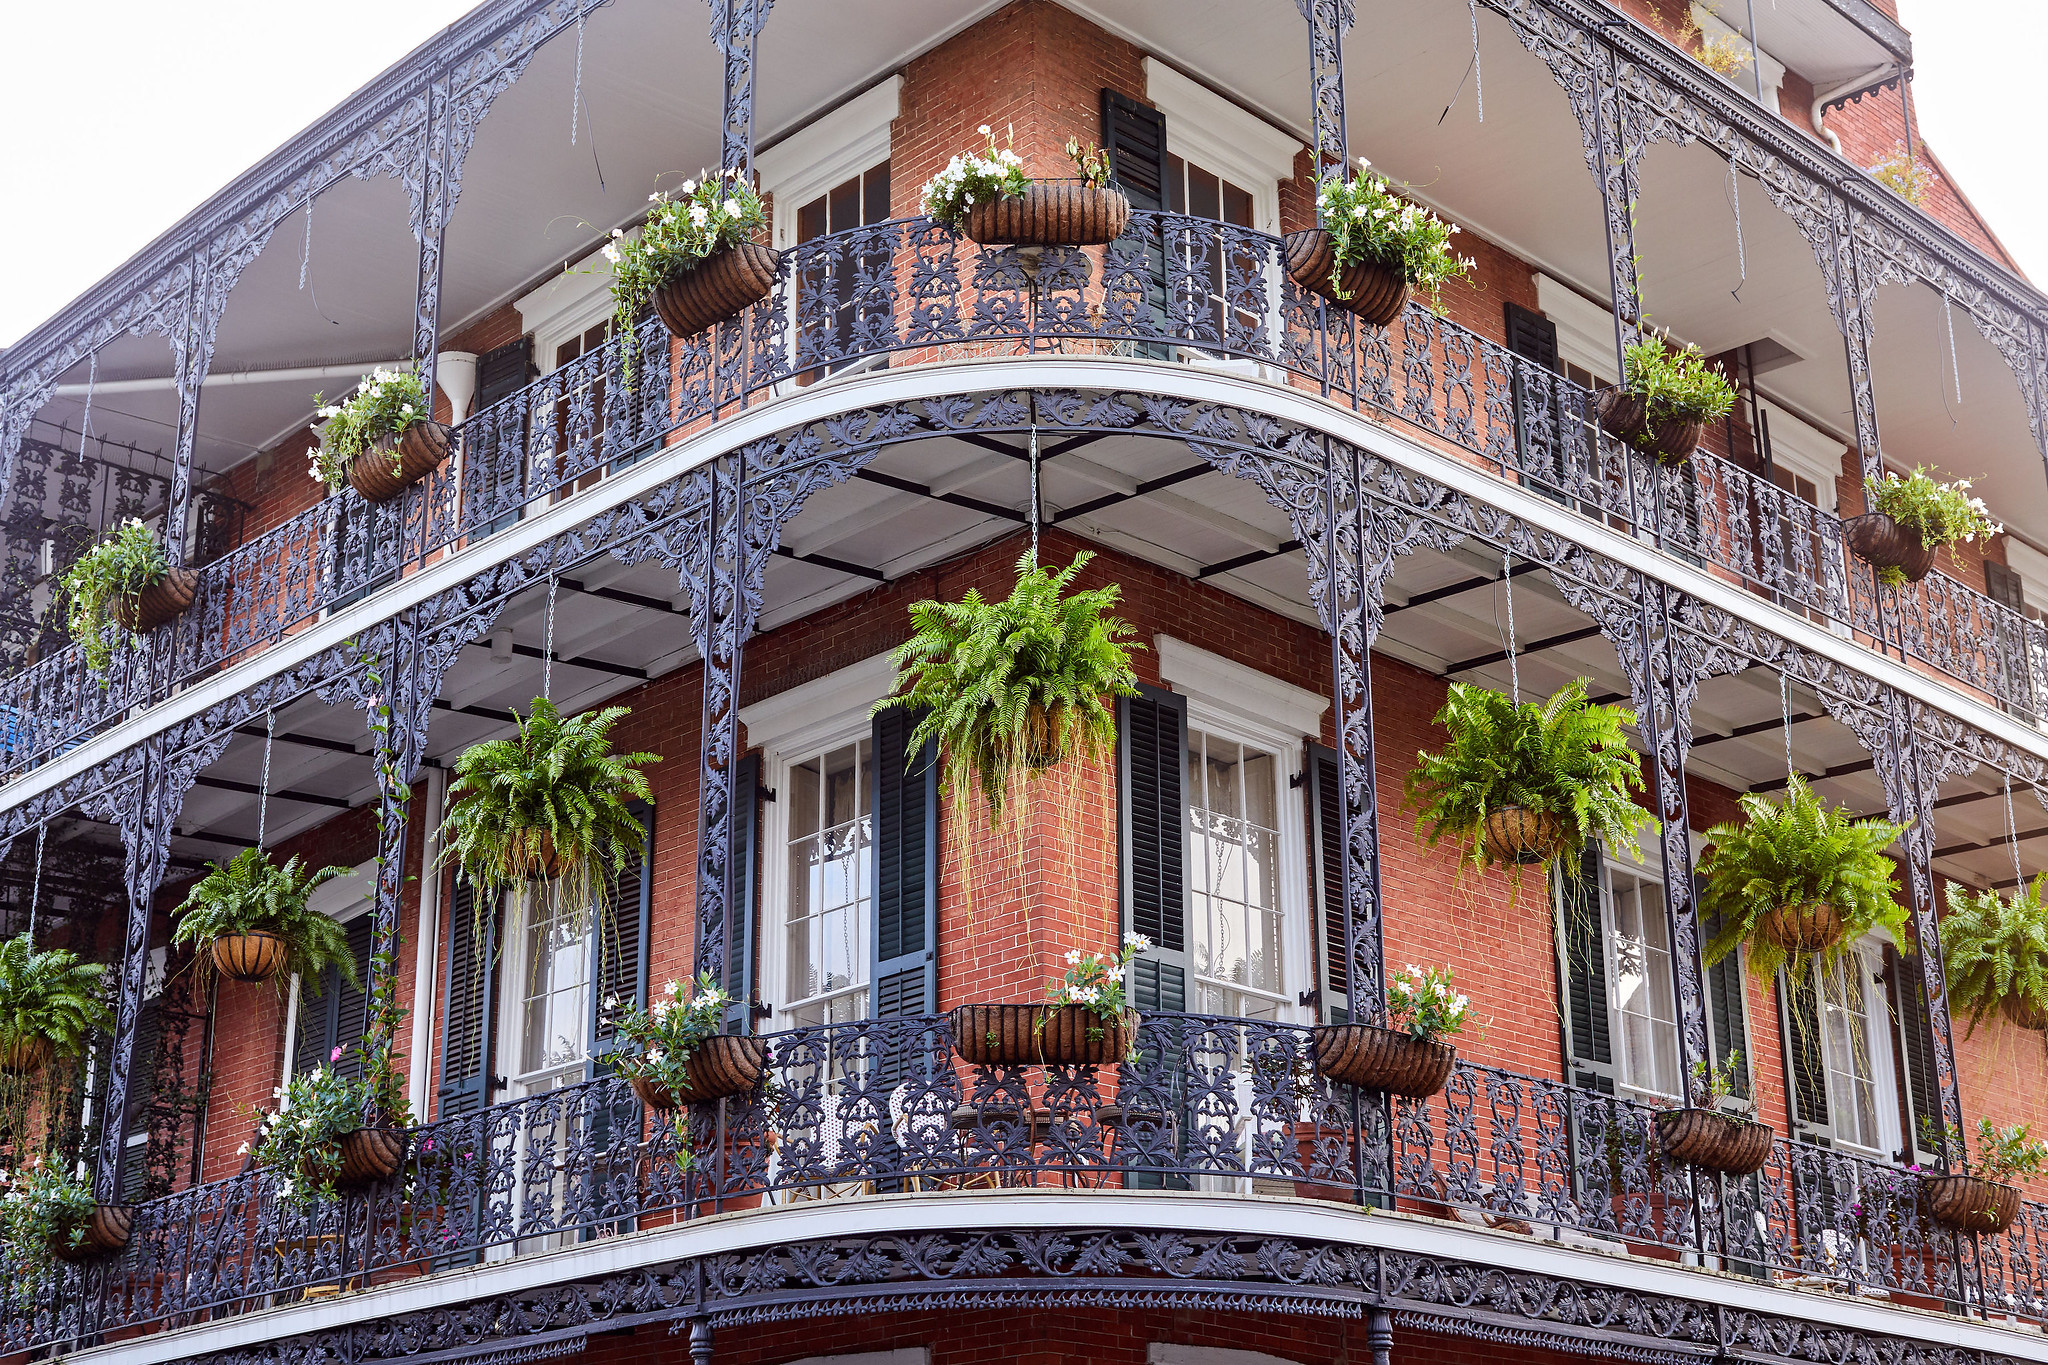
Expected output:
(1970, 1203)
(1626, 417)
(2024, 1013)
(722, 285)
(1375, 1058)
(720, 1066)
(258, 955)
(106, 1232)
(163, 600)
(1374, 292)
(1807, 927)
(391, 464)
(1515, 834)
(369, 1155)
(24, 1056)
(1049, 213)
(1059, 1035)
(1727, 1143)
(1882, 543)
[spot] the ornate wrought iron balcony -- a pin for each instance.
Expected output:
(908, 292)
(880, 1107)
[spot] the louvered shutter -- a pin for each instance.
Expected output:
(1799, 1002)
(1135, 137)
(903, 972)
(1726, 1012)
(743, 948)
(1583, 929)
(1326, 876)
(1533, 337)
(494, 449)
(503, 372)
(466, 1004)
(1915, 1036)
(1152, 743)
(619, 940)
(2004, 586)
(339, 1013)
(142, 1085)
(1541, 433)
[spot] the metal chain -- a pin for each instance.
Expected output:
(1785, 709)
(92, 378)
(1948, 312)
(1478, 74)
(1507, 577)
(263, 785)
(547, 651)
(2012, 834)
(306, 250)
(35, 893)
(1735, 198)
(576, 99)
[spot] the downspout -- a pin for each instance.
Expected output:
(427, 948)
(1869, 81)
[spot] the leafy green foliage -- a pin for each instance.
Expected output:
(1368, 221)
(128, 560)
(1425, 1003)
(1940, 513)
(1996, 948)
(52, 995)
(976, 669)
(1568, 757)
(668, 1032)
(384, 404)
(554, 786)
(252, 893)
(1906, 174)
(2003, 1154)
(1093, 166)
(1097, 981)
(1676, 383)
(681, 230)
(975, 177)
(299, 1138)
(1791, 852)
(44, 1204)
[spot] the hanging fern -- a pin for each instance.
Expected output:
(1567, 758)
(253, 894)
(1996, 949)
(50, 995)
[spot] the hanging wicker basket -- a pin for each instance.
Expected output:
(1049, 213)
(1041, 736)
(1374, 1058)
(1059, 1035)
(107, 1230)
(1515, 834)
(537, 862)
(1374, 292)
(1626, 417)
(1727, 1143)
(2024, 1013)
(722, 285)
(1882, 543)
(723, 1065)
(1807, 927)
(1969, 1203)
(24, 1056)
(163, 600)
(391, 464)
(369, 1155)
(258, 955)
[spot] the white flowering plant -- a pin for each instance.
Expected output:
(44, 1206)
(1425, 1004)
(1368, 222)
(681, 230)
(384, 404)
(976, 177)
(1097, 980)
(667, 1032)
(1939, 513)
(128, 560)
(316, 1109)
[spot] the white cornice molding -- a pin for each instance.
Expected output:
(1252, 701)
(827, 152)
(800, 718)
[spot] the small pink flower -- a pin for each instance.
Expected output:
(337, 1055)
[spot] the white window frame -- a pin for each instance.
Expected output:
(827, 152)
(1878, 1028)
(568, 305)
(1231, 701)
(345, 898)
(1806, 450)
(789, 728)
(1585, 330)
(1650, 871)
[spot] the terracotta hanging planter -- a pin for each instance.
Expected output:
(1882, 543)
(1969, 1203)
(1804, 928)
(1626, 418)
(161, 601)
(1514, 834)
(24, 1055)
(721, 1066)
(258, 955)
(2024, 1013)
(1049, 213)
(1727, 1143)
(1374, 292)
(1374, 1058)
(369, 1155)
(391, 464)
(1059, 1035)
(722, 285)
(107, 1230)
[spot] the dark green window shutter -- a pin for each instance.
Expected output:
(1532, 336)
(1152, 744)
(339, 1014)
(620, 940)
(1916, 1043)
(503, 372)
(903, 974)
(1799, 1001)
(743, 951)
(1725, 1010)
(1135, 136)
(1583, 928)
(466, 1004)
(1326, 876)
(142, 1086)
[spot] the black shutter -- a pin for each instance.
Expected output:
(1543, 433)
(742, 952)
(2003, 585)
(620, 939)
(142, 1084)
(1583, 929)
(503, 372)
(494, 450)
(1916, 1043)
(1152, 743)
(903, 972)
(338, 1014)
(1135, 136)
(1326, 876)
(1725, 1010)
(1799, 1001)
(466, 1004)
(1533, 337)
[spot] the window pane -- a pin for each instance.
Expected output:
(1852, 1076)
(1639, 963)
(1205, 194)
(810, 220)
(827, 917)
(1233, 877)
(1176, 184)
(845, 208)
(874, 194)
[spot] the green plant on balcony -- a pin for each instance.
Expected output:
(1369, 224)
(550, 803)
(106, 586)
(1995, 949)
(1905, 174)
(1016, 685)
(1667, 396)
(382, 438)
(986, 196)
(50, 1003)
(1979, 1195)
(676, 1051)
(47, 1210)
(322, 1117)
(1726, 54)
(1930, 513)
(1527, 784)
(694, 259)
(975, 177)
(1796, 880)
(250, 920)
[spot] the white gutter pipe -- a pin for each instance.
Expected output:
(1863, 82)
(304, 374)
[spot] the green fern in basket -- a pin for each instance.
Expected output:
(1996, 949)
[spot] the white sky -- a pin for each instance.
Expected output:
(124, 114)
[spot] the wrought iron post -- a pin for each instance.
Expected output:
(1852, 304)
(735, 28)
(431, 230)
(192, 355)
(1327, 20)
(720, 618)
(135, 808)
(1614, 158)
(1353, 593)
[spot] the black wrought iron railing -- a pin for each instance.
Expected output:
(883, 1107)
(1172, 289)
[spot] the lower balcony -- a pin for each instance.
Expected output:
(881, 1110)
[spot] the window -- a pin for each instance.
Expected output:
(1645, 1016)
(1839, 1030)
(1233, 794)
(837, 276)
(549, 981)
(826, 919)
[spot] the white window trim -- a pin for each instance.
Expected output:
(2032, 567)
(789, 727)
(1218, 136)
(1652, 872)
(1174, 1353)
(345, 898)
(1227, 699)
(1878, 1028)
(567, 306)
(1585, 330)
(827, 152)
(1806, 450)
